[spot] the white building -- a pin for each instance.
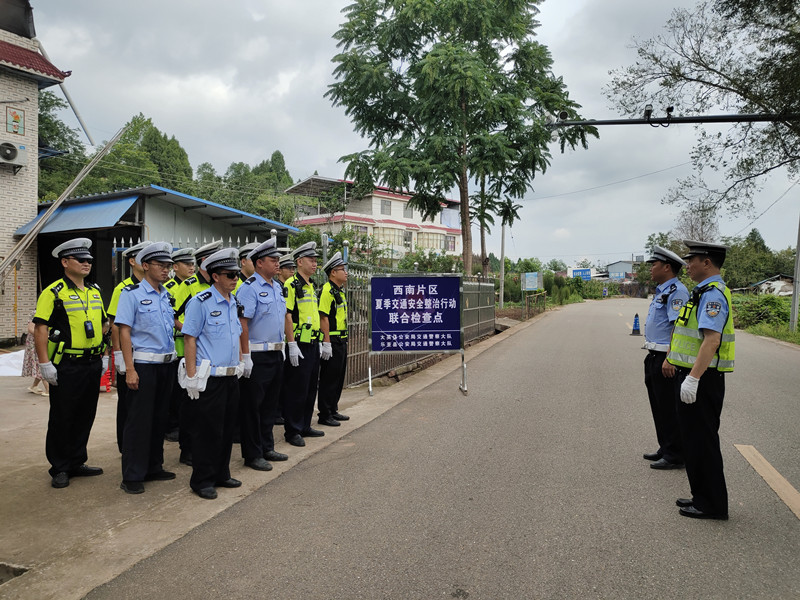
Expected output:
(385, 215)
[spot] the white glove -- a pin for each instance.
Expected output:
(105, 363)
(49, 373)
(192, 384)
(326, 351)
(247, 361)
(119, 362)
(240, 369)
(294, 354)
(689, 390)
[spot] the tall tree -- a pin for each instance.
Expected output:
(56, 173)
(447, 90)
(741, 55)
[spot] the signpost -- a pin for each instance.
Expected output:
(531, 282)
(416, 313)
(585, 274)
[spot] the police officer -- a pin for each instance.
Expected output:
(182, 269)
(669, 298)
(247, 267)
(702, 348)
(188, 289)
(145, 318)
(69, 342)
(303, 335)
(333, 354)
(119, 362)
(210, 374)
(286, 271)
(263, 320)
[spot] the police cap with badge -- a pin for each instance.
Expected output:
(205, 251)
(335, 261)
(134, 250)
(286, 261)
(155, 252)
(307, 250)
(184, 255)
(244, 251)
(268, 249)
(76, 248)
(227, 258)
(716, 252)
(667, 256)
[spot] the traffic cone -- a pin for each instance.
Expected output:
(636, 325)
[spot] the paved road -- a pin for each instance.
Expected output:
(533, 486)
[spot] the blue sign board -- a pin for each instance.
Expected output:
(412, 313)
(531, 282)
(585, 274)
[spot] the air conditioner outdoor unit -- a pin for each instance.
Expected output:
(13, 154)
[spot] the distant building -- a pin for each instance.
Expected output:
(777, 285)
(23, 72)
(620, 270)
(385, 215)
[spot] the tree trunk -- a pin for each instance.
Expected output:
(484, 256)
(466, 230)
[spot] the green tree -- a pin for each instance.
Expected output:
(748, 260)
(742, 55)
(446, 92)
(170, 159)
(481, 213)
(557, 265)
(429, 261)
(56, 173)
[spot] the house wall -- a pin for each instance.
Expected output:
(18, 198)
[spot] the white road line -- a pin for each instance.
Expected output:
(784, 489)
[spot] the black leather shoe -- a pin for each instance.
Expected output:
(86, 471)
(132, 487)
(684, 502)
(663, 463)
(276, 456)
(653, 456)
(60, 480)
(229, 483)
(692, 512)
(310, 432)
(329, 421)
(186, 458)
(340, 417)
(259, 464)
(208, 493)
(161, 475)
(296, 440)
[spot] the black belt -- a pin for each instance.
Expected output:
(657, 352)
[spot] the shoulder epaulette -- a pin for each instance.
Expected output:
(250, 280)
(131, 287)
(204, 296)
(95, 286)
(190, 280)
(672, 288)
(170, 284)
(57, 288)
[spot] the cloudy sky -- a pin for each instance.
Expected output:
(236, 80)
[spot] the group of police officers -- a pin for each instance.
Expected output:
(202, 358)
(689, 338)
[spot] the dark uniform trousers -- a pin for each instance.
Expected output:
(664, 396)
(258, 405)
(699, 424)
(73, 405)
(331, 378)
(213, 415)
(122, 410)
(184, 404)
(175, 398)
(300, 387)
(146, 421)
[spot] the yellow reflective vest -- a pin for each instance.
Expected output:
(332, 302)
(301, 302)
(687, 337)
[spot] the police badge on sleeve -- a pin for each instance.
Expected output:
(713, 308)
(677, 303)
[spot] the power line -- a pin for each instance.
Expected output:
(766, 209)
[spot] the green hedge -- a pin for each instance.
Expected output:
(753, 310)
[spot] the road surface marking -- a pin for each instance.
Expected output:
(784, 489)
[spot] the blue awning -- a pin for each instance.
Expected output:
(86, 215)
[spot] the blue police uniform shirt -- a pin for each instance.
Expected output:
(664, 309)
(214, 321)
(712, 309)
(265, 307)
(149, 314)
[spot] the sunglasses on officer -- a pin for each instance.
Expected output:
(229, 274)
(82, 259)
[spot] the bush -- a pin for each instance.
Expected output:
(753, 310)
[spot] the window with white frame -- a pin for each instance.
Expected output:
(408, 238)
(386, 207)
(408, 212)
(450, 243)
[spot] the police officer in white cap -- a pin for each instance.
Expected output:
(145, 318)
(303, 337)
(333, 324)
(191, 287)
(263, 320)
(659, 376)
(213, 364)
(69, 342)
(136, 276)
(247, 267)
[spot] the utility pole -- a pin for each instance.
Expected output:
(795, 283)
